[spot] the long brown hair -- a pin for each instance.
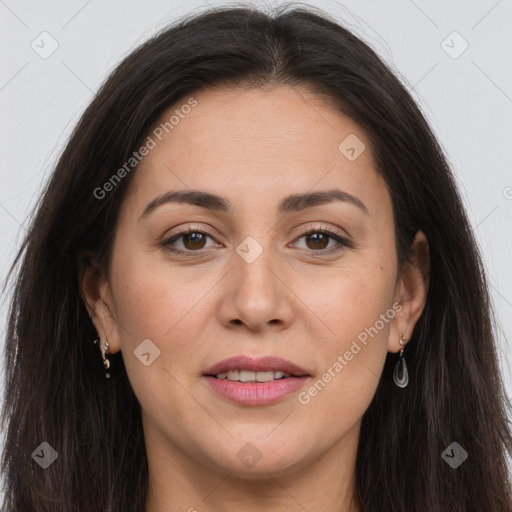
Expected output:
(55, 391)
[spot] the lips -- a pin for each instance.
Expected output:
(255, 382)
(263, 364)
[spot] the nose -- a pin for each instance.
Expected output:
(256, 294)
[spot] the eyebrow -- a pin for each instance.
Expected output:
(291, 203)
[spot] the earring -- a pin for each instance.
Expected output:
(106, 362)
(401, 375)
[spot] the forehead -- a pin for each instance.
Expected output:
(257, 143)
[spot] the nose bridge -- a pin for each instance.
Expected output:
(255, 250)
(255, 264)
(258, 295)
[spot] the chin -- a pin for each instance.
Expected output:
(259, 459)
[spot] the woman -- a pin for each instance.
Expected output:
(251, 285)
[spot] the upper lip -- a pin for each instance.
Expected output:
(262, 364)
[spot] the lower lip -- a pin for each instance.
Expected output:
(255, 393)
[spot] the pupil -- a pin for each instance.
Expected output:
(322, 238)
(195, 237)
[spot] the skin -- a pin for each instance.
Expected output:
(254, 147)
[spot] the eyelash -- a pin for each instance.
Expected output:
(342, 242)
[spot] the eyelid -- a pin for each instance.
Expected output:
(190, 228)
(306, 230)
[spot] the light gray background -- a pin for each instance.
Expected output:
(467, 99)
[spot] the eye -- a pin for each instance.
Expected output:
(193, 240)
(318, 240)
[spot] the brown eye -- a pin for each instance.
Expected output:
(317, 240)
(192, 240)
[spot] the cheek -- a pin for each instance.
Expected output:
(356, 313)
(163, 305)
(354, 307)
(153, 299)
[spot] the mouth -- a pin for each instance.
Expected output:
(248, 381)
(247, 369)
(250, 376)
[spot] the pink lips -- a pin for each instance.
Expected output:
(256, 393)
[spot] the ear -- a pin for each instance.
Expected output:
(411, 292)
(95, 292)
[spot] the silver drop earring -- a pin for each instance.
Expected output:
(401, 375)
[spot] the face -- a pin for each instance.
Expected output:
(259, 273)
